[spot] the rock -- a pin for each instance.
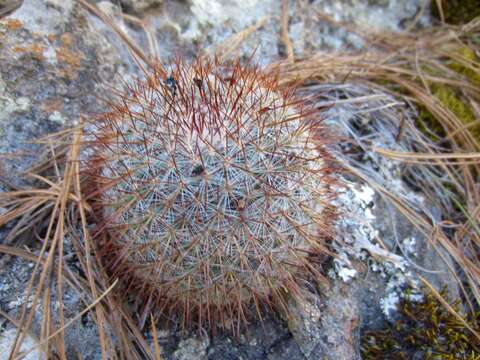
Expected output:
(217, 12)
(50, 75)
(377, 15)
(7, 339)
(340, 328)
(45, 17)
(192, 349)
(331, 332)
(259, 340)
(303, 323)
(140, 6)
(431, 262)
(286, 350)
(216, 21)
(53, 69)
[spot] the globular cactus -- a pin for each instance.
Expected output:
(214, 190)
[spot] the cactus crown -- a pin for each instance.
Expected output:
(213, 193)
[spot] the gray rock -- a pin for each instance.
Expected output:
(51, 72)
(328, 325)
(304, 324)
(286, 350)
(140, 6)
(258, 341)
(215, 21)
(431, 262)
(192, 349)
(7, 339)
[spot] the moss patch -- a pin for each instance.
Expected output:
(466, 64)
(468, 55)
(457, 11)
(424, 330)
(452, 100)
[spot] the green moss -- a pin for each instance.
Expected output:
(424, 330)
(451, 97)
(429, 125)
(468, 55)
(453, 101)
(457, 11)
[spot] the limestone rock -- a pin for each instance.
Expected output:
(7, 339)
(191, 349)
(140, 6)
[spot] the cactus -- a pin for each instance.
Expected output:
(214, 190)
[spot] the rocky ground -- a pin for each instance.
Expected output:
(56, 60)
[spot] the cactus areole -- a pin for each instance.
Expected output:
(213, 187)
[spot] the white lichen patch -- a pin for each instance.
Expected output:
(343, 268)
(57, 117)
(389, 304)
(409, 245)
(398, 282)
(23, 104)
(346, 274)
(365, 195)
(358, 228)
(192, 348)
(360, 240)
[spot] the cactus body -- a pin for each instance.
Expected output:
(214, 194)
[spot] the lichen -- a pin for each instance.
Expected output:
(13, 24)
(424, 330)
(34, 50)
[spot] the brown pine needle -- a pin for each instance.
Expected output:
(71, 321)
(284, 26)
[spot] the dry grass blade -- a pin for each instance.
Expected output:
(70, 322)
(460, 158)
(25, 320)
(100, 318)
(224, 50)
(284, 27)
(136, 52)
(439, 5)
(158, 355)
(413, 69)
(55, 243)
